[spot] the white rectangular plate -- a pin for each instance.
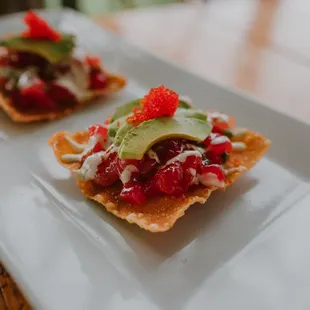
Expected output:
(246, 248)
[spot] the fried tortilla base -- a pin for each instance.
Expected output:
(159, 214)
(115, 84)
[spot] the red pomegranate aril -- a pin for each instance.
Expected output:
(218, 144)
(212, 175)
(60, 94)
(168, 149)
(169, 179)
(37, 96)
(147, 165)
(191, 165)
(98, 79)
(150, 188)
(107, 173)
(123, 163)
(133, 194)
(98, 129)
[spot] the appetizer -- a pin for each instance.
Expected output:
(156, 156)
(41, 79)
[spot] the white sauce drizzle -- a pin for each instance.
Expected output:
(182, 157)
(219, 140)
(75, 145)
(151, 154)
(238, 146)
(238, 132)
(201, 150)
(90, 165)
(234, 169)
(83, 149)
(126, 174)
(217, 117)
(211, 179)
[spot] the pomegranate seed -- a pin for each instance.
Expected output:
(98, 79)
(37, 96)
(218, 144)
(60, 94)
(212, 175)
(147, 165)
(38, 28)
(98, 129)
(107, 173)
(169, 179)
(150, 188)
(191, 165)
(133, 194)
(122, 164)
(169, 148)
(93, 61)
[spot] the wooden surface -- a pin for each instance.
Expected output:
(259, 46)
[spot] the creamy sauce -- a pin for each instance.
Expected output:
(238, 132)
(219, 140)
(211, 179)
(151, 154)
(234, 169)
(75, 145)
(90, 165)
(201, 150)
(126, 174)
(27, 78)
(83, 149)
(217, 117)
(182, 157)
(238, 146)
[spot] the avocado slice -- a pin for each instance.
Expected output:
(121, 133)
(125, 109)
(184, 105)
(52, 51)
(191, 113)
(141, 138)
(115, 126)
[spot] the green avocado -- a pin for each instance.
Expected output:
(52, 51)
(184, 105)
(121, 133)
(125, 109)
(116, 125)
(191, 113)
(142, 137)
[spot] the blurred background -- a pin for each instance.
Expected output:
(93, 7)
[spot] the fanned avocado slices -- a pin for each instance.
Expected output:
(141, 138)
(125, 109)
(191, 113)
(121, 133)
(52, 51)
(184, 105)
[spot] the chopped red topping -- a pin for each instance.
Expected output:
(159, 102)
(93, 61)
(98, 129)
(39, 29)
(35, 96)
(218, 144)
(98, 79)
(108, 120)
